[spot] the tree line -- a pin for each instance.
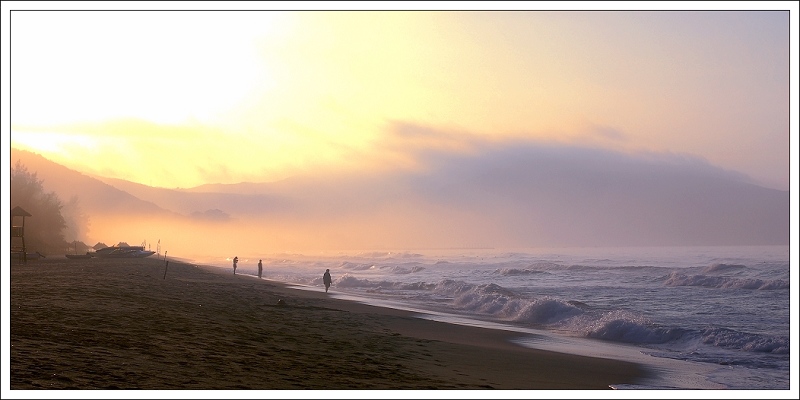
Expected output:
(50, 218)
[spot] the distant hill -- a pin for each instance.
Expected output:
(110, 195)
(94, 196)
(554, 197)
(515, 196)
(239, 199)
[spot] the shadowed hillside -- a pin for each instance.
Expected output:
(94, 195)
(515, 196)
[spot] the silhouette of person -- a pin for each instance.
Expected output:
(326, 279)
(259, 269)
(235, 260)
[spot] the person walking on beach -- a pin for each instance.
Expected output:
(235, 260)
(259, 269)
(326, 279)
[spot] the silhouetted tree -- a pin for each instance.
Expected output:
(77, 221)
(44, 229)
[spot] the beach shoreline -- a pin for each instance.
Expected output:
(156, 324)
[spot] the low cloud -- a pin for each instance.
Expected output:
(610, 133)
(482, 193)
(530, 193)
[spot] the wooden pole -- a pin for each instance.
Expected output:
(166, 265)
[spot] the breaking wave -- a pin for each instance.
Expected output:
(502, 304)
(722, 282)
(517, 271)
(715, 268)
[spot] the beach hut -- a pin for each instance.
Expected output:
(18, 234)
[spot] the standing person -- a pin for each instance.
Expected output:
(235, 260)
(326, 279)
(259, 269)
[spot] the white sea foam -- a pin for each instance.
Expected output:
(719, 307)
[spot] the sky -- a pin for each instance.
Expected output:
(179, 99)
(185, 98)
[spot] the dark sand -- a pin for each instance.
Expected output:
(119, 324)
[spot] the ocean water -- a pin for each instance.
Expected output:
(703, 317)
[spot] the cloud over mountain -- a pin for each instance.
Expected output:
(482, 194)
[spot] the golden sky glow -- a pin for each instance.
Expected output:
(179, 99)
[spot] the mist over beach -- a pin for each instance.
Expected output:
(540, 202)
(500, 196)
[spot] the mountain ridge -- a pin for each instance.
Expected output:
(513, 197)
(66, 183)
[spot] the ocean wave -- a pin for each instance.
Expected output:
(526, 268)
(545, 265)
(619, 326)
(456, 288)
(716, 268)
(615, 325)
(353, 266)
(582, 267)
(578, 304)
(497, 303)
(517, 271)
(374, 254)
(546, 311)
(504, 304)
(398, 270)
(722, 282)
(349, 281)
(387, 254)
(721, 337)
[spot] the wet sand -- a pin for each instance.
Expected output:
(123, 324)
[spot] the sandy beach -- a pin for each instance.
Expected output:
(147, 324)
